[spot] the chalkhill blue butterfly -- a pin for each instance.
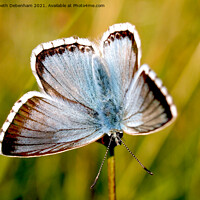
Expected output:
(88, 91)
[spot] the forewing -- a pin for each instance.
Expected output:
(147, 104)
(40, 125)
(120, 47)
(63, 68)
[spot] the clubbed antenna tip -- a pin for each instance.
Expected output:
(148, 171)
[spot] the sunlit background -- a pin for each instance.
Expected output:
(170, 36)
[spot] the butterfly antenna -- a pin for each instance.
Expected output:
(149, 172)
(95, 181)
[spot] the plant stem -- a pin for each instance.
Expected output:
(111, 174)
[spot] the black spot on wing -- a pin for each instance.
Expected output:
(118, 35)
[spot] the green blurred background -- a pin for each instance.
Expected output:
(169, 32)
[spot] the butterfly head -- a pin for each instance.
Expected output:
(113, 138)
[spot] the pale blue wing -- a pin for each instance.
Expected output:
(120, 47)
(63, 68)
(147, 104)
(40, 125)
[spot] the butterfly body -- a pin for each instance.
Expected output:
(87, 91)
(110, 114)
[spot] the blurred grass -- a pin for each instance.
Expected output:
(169, 32)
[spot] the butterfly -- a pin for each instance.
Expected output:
(88, 90)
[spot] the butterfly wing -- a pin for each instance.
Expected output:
(40, 125)
(63, 68)
(67, 115)
(120, 47)
(147, 104)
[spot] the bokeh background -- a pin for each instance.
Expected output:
(169, 32)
